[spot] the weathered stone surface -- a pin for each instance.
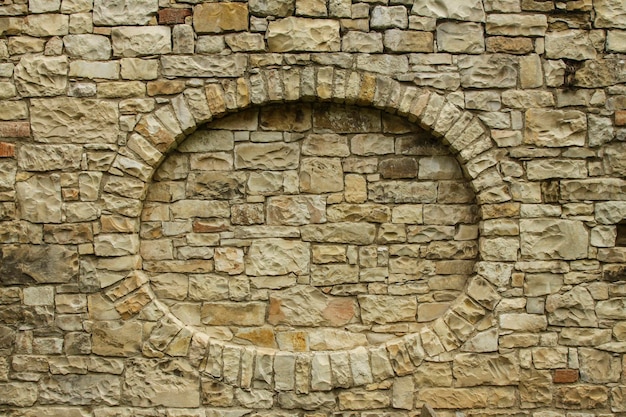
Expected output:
(277, 257)
(116, 338)
(40, 198)
(271, 156)
(220, 17)
(553, 239)
(299, 34)
(485, 71)
(41, 76)
(344, 232)
(581, 397)
(321, 175)
(308, 306)
(39, 263)
(570, 44)
(403, 192)
(396, 40)
(474, 370)
(120, 12)
(356, 41)
(460, 398)
(610, 13)
(68, 389)
(233, 313)
(89, 47)
(600, 73)
(18, 394)
(140, 41)
(464, 38)
(169, 383)
(202, 66)
(517, 24)
(279, 8)
(80, 120)
(296, 210)
(387, 309)
(463, 11)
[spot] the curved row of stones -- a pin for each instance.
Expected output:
(158, 132)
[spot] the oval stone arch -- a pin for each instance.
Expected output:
(160, 131)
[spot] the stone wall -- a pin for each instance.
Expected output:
(312, 208)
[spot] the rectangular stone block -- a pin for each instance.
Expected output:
(299, 34)
(203, 66)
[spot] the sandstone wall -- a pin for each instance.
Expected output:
(312, 208)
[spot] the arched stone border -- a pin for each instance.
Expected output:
(161, 130)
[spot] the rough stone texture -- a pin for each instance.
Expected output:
(137, 41)
(313, 208)
(297, 34)
(39, 76)
(79, 120)
(120, 12)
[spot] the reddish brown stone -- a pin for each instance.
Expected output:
(620, 118)
(565, 376)
(7, 150)
(14, 129)
(172, 16)
(508, 45)
(165, 87)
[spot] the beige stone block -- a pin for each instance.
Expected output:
(458, 10)
(111, 338)
(517, 24)
(322, 254)
(373, 213)
(296, 210)
(38, 76)
(301, 34)
(568, 239)
(174, 383)
(402, 192)
(581, 397)
(345, 232)
(13, 110)
(95, 70)
(277, 257)
(570, 44)
(269, 156)
(523, 322)
(44, 25)
(363, 400)
(327, 144)
(308, 306)
(396, 40)
(245, 42)
(139, 69)
(203, 66)
(387, 309)
(487, 71)
(372, 144)
(88, 46)
(616, 40)
(119, 12)
(326, 275)
(233, 313)
(363, 42)
(465, 37)
(81, 120)
(475, 370)
(220, 17)
(140, 41)
(279, 8)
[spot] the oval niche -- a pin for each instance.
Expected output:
(309, 227)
